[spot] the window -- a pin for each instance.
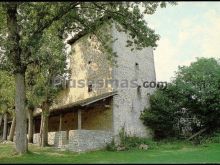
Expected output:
(136, 70)
(136, 66)
(89, 62)
(139, 91)
(90, 88)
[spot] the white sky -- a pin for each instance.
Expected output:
(187, 30)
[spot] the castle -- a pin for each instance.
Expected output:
(87, 116)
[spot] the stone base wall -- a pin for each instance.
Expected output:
(87, 140)
(78, 140)
(60, 139)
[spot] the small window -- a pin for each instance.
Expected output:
(139, 91)
(89, 62)
(136, 66)
(90, 88)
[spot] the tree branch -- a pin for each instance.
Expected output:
(59, 15)
(88, 28)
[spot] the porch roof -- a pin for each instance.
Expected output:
(79, 104)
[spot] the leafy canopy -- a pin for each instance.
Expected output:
(78, 18)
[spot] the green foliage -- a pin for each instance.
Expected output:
(192, 96)
(7, 91)
(202, 89)
(215, 138)
(134, 142)
(161, 116)
(204, 140)
(111, 146)
(130, 142)
(79, 18)
(50, 62)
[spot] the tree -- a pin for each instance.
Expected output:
(40, 77)
(203, 77)
(24, 23)
(160, 116)
(190, 102)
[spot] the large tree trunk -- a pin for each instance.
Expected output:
(5, 126)
(19, 72)
(12, 130)
(21, 115)
(30, 125)
(44, 125)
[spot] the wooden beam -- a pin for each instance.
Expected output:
(79, 119)
(198, 133)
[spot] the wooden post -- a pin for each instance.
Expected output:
(61, 120)
(30, 125)
(34, 126)
(79, 119)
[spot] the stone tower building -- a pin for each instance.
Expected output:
(101, 97)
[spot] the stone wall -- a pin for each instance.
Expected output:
(129, 102)
(88, 63)
(87, 140)
(78, 140)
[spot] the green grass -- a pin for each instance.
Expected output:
(175, 152)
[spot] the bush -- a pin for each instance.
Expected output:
(161, 116)
(188, 104)
(211, 138)
(111, 146)
(130, 142)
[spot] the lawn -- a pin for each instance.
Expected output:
(164, 153)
